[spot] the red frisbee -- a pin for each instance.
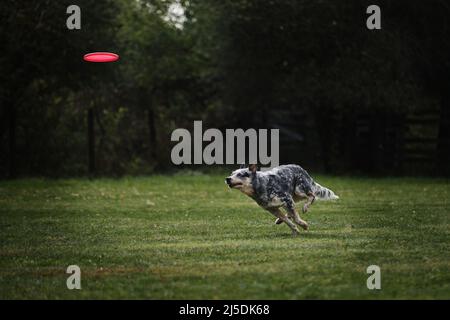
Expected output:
(101, 57)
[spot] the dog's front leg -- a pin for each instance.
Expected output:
(290, 207)
(282, 217)
(278, 221)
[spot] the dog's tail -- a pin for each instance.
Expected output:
(323, 193)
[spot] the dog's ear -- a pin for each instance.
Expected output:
(252, 168)
(242, 166)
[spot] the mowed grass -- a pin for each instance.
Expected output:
(189, 237)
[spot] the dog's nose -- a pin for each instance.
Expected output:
(228, 180)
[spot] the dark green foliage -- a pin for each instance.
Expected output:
(345, 98)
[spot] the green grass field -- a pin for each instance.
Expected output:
(190, 237)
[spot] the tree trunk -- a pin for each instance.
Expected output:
(376, 136)
(12, 122)
(347, 142)
(443, 145)
(324, 122)
(152, 131)
(91, 141)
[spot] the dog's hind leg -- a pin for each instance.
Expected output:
(309, 202)
(290, 208)
(283, 218)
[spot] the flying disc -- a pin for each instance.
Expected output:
(101, 57)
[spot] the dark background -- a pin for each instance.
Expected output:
(347, 100)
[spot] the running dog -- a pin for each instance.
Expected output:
(280, 187)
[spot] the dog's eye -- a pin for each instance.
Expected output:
(246, 175)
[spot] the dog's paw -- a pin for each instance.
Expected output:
(304, 225)
(305, 208)
(278, 221)
(295, 233)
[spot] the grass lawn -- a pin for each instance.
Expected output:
(188, 236)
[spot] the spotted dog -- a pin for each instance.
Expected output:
(280, 187)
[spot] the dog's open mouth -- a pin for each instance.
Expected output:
(234, 184)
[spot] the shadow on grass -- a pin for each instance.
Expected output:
(303, 234)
